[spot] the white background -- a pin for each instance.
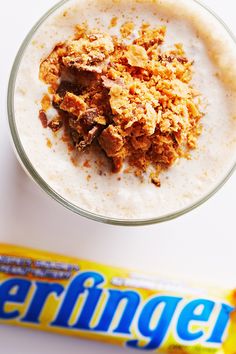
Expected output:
(200, 245)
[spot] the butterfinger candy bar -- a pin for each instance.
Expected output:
(61, 294)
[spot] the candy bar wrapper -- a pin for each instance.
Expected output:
(68, 296)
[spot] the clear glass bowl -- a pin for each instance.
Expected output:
(32, 172)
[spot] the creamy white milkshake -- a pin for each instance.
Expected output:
(124, 196)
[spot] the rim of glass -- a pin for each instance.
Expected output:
(44, 185)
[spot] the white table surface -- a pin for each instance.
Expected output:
(199, 245)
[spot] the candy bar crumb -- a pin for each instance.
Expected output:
(113, 22)
(49, 143)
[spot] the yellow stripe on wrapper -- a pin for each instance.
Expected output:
(74, 297)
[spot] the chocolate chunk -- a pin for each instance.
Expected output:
(87, 119)
(182, 60)
(156, 181)
(70, 87)
(43, 118)
(91, 136)
(56, 124)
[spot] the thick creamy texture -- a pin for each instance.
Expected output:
(214, 54)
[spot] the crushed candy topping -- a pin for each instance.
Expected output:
(134, 101)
